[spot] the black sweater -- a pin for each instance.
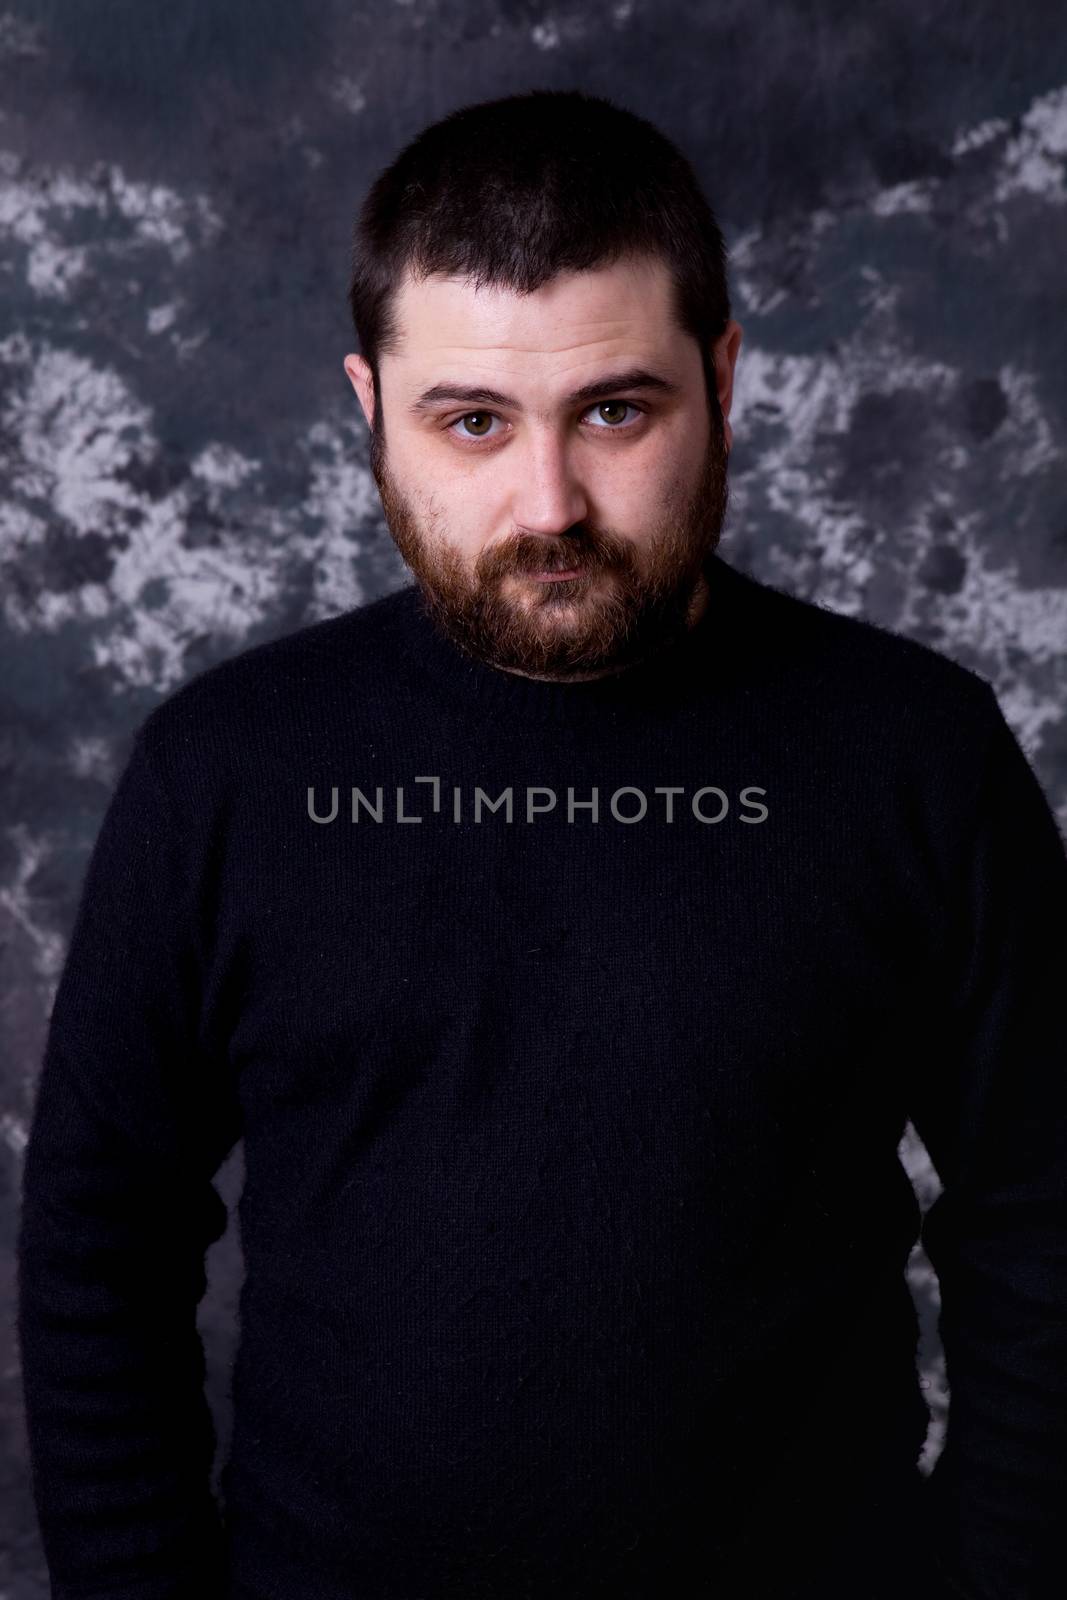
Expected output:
(573, 1221)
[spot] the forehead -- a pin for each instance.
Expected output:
(623, 308)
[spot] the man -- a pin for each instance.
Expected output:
(570, 935)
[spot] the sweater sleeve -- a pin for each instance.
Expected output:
(117, 1211)
(990, 1104)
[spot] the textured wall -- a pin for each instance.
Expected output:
(183, 464)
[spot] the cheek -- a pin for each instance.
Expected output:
(442, 500)
(463, 511)
(630, 495)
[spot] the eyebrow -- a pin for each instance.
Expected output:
(600, 389)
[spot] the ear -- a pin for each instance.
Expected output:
(725, 355)
(362, 381)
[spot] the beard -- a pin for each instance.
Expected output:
(628, 601)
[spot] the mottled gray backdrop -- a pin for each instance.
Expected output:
(184, 466)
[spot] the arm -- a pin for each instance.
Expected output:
(990, 1104)
(130, 1124)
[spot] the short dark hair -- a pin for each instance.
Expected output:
(511, 192)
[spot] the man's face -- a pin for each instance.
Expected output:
(552, 534)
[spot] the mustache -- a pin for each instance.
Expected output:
(585, 552)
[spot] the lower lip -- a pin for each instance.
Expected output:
(555, 577)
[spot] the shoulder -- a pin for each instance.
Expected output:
(270, 690)
(854, 667)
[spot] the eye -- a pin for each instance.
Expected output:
(616, 405)
(473, 416)
(475, 425)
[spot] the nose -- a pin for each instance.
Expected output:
(549, 497)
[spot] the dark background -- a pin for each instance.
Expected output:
(183, 465)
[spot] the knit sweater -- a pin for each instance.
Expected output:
(572, 1031)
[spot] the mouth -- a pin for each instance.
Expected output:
(556, 577)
